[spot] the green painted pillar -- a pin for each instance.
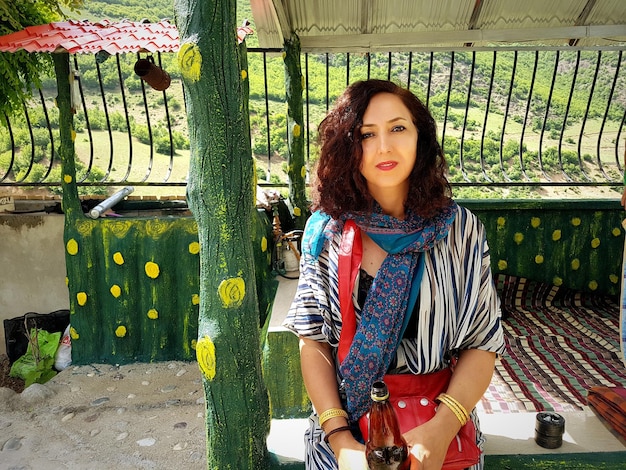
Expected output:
(294, 86)
(70, 202)
(221, 196)
(67, 152)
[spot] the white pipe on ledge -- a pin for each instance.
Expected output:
(110, 202)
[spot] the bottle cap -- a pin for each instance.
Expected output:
(380, 392)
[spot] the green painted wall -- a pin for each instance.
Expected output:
(134, 287)
(576, 244)
(154, 263)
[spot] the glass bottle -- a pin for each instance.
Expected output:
(385, 449)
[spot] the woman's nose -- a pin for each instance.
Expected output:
(384, 144)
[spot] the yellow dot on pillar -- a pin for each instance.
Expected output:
(194, 248)
(576, 221)
(116, 291)
(67, 179)
(303, 171)
(284, 55)
(557, 281)
(539, 259)
(81, 298)
(153, 314)
(296, 130)
(190, 61)
(205, 353)
(593, 285)
(120, 331)
(195, 299)
(232, 292)
(73, 333)
(118, 258)
(502, 265)
(575, 264)
(67, 281)
(616, 232)
(535, 222)
(556, 235)
(297, 211)
(501, 221)
(518, 238)
(614, 278)
(72, 247)
(595, 243)
(244, 74)
(263, 244)
(73, 135)
(194, 343)
(152, 270)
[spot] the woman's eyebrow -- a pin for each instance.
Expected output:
(391, 121)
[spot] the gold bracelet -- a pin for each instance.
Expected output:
(458, 413)
(456, 403)
(332, 413)
(452, 402)
(459, 410)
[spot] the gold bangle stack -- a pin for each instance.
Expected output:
(332, 413)
(459, 410)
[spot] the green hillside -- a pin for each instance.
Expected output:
(514, 111)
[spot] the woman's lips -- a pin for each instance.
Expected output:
(386, 166)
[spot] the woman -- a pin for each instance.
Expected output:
(381, 166)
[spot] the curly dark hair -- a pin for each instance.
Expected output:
(341, 188)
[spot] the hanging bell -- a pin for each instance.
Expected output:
(152, 74)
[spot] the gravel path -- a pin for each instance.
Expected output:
(137, 416)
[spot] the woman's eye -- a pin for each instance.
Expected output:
(366, 135)
(398, 128)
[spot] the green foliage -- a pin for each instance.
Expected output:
(21, 71)
(36, 366)
(437, 90)
(134, 10)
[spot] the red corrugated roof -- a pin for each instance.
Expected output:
(85, 37)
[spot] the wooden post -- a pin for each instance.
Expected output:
(221, 196)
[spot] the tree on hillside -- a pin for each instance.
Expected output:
(20, 71)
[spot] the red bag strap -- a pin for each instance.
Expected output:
(350, 255)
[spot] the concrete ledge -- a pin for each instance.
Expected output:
(510, 434)
(286, 443)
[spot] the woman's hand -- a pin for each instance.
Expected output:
(349, 452)
(428, 445)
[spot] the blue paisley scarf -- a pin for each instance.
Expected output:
(386, 306)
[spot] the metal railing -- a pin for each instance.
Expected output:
(508, 118)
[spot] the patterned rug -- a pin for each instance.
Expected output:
(560, 343)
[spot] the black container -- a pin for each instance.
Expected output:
(549, 429)
(16, 330)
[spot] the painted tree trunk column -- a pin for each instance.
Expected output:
(70, 202)
(294, 86)
(221, 197)
(67, 152)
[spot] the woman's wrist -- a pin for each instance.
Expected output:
(445, 425)
(342, 440)
(336, 430)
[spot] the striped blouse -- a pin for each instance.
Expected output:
(458, 306)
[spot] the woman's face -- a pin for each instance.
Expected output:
(389, 144)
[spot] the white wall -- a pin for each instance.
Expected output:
(32, 266)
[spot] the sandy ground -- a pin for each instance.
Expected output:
(139, 416)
